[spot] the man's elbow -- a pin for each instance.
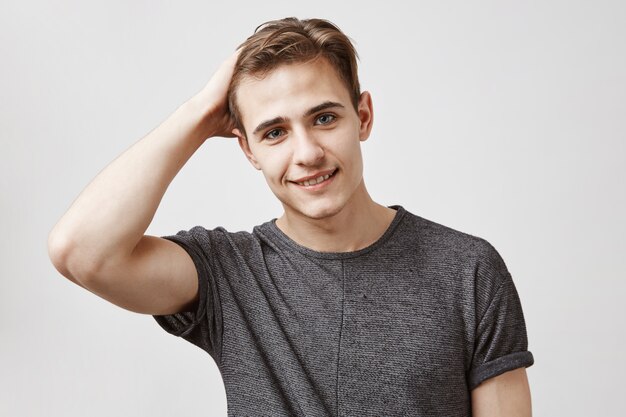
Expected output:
(68, 261)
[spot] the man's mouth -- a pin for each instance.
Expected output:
(315, 181)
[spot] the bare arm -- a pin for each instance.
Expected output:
(99, 243)
(506, 395)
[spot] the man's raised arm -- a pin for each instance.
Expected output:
(99, 243)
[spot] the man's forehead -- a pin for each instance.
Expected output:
(299, 67)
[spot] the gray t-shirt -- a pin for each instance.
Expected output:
(404, 327)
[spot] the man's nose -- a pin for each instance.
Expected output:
(307, 148)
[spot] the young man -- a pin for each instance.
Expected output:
(339, 307)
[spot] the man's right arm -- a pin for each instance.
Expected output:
(100, 244)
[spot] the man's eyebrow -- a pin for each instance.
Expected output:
(325, 105)
(276, 120)
(269, 123)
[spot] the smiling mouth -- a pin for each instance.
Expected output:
(315, 181)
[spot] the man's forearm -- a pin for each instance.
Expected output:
(112, 213)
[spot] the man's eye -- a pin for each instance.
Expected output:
(325, 119)
(273, 134)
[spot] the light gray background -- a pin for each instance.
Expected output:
(502, 119)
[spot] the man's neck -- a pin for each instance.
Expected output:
(358, 225)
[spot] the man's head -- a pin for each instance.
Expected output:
(301, 117)
(289, 41)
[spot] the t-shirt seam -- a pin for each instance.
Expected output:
(343, 305)
(493, 298)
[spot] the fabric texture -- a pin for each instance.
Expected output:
(407, 326)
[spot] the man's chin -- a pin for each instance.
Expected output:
(313, 211)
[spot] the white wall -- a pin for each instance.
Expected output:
(502, 119)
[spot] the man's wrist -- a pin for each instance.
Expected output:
(203, 112)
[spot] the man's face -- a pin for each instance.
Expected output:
(300, 123)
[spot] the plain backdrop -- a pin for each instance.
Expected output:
(502, 119)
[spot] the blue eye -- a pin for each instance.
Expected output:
(273, 134)
(325, 119)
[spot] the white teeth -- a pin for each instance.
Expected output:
(315, 180)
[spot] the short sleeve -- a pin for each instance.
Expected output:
(501, 342)
(202, 327)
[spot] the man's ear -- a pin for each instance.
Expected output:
(245, 147)
(366, 115)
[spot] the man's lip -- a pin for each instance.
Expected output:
(317, 175)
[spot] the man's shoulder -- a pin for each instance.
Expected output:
(438, 236)
(440, 244)
(213, 238)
